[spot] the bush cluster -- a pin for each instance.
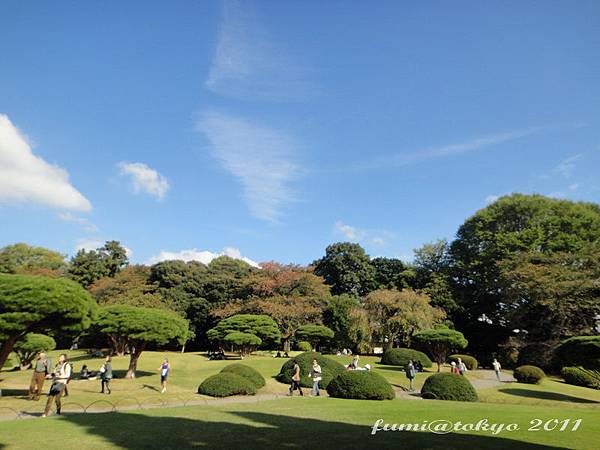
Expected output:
(579, 376)
(469, 361)
(401, 356)
(529, 374)
(581, 351)
(246, 372)
(449, 386)
(329, 369)
(361, 385)
(225, 384)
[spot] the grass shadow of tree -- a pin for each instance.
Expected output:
(544, 395)
(260, 430)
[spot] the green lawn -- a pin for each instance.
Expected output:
(294, 423)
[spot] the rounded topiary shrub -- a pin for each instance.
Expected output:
(449, 386)
(304, 346)
(579, 376)
(247, 372)
(225, 384)
(581, 351)
(529, 374)
(329, 369)
(401, 356)
(469, 361)
(361, 385)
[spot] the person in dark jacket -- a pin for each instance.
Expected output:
(411, 373)
(106, 374)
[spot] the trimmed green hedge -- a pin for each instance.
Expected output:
(469, 361)
(579, 376)
(329, 369)
(529, 374)
(247, 372)
(401, 356)
(225, 384)
(581, 351)
(360, 385)
(448, 386)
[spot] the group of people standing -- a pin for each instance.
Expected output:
(315, 374)
(62, 373)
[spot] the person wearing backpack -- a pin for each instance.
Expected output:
(61, 375)
(106, 375)
(411, 373)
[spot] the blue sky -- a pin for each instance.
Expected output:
(268, 130)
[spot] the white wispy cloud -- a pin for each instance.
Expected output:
(250, 64)
(471, 145)
(492, 198)
(355, 234)
(567, 166)
(85, 223)
(144, 179)
(203, 256)
(261, 157)
(27, 178)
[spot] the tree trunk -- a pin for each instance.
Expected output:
(438, 364)
(6, 348)
(133, 360)
(286, 345)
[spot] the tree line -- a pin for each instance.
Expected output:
(520, 276)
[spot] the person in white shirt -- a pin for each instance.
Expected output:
(315, 374)
(61, 375)
(497, 368)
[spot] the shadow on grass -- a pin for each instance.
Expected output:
(137, 431)
(15, 392)
(544, 395)
(138, 373)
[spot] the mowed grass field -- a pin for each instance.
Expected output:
(286, 422)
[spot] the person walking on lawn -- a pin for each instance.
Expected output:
(411, 373)
(497, 368)
(41, 369)
(62, 373)
(296, 380)
(315, 374)
(165, 369)
(106, 375)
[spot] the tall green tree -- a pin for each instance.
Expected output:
(511, 226)
(337, 316)
(87, 267)
(25, 259)
(317, 335)
(135, 327)
(36, 304)
(347, 269)
(391, 273)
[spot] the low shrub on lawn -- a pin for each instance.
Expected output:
(579, 376)
(247, 372)
(329, 369)
(304, 346)
(449, 386)
(469, 361)
(401, 356)
(225, 384)
(361, 385)
(529, 374)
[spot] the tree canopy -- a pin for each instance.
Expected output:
(34, 303)
(135, 327)
(25, 259)
(259, 325)
(315, 334)
(440, 343)
(346, 268)
(86, 267)
(32, 344)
